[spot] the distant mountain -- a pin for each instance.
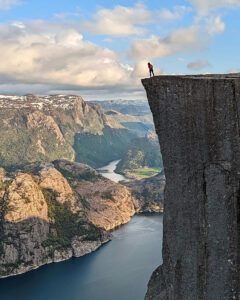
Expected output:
(130, 107)
(42, 129)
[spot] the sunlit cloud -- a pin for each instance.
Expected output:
(187, 40)
(58, 56)
(120, 21)
(43, 57)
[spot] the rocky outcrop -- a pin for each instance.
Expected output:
(149, 192)
(54, 211)
(107, 204)
(24, 200)
(197, 121)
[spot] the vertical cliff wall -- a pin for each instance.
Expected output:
(197, 121)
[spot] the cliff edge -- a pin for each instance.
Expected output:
(197, 122)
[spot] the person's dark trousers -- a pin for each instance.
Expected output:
(151, 73)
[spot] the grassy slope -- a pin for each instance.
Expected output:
(141, 153)
(144, 172)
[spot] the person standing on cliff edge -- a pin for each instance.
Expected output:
(150, 67)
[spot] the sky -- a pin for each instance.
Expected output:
(100, 49)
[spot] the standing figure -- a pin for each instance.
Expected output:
(150, 67)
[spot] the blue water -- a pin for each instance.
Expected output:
(119, 270)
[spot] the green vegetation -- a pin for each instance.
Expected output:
(140, 128)
(29, 135)
(140, 154)
(65, 223)
(98, 150)
(144, 172)
(151, 198)
(12, 266)
(72, 177)
(19, 147)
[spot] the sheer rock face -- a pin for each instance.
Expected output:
(197, 121)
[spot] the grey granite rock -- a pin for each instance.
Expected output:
(197, 122)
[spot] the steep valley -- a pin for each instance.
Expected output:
(52, 205)
(35, 129)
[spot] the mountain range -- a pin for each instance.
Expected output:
(37, 129)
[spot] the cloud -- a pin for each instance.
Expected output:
(198, 65)
(215, 26)
(119, 22)
(8, 4)
(177, 13)
(190, 39)
(203, 7)
(54, 54)
(122, 21)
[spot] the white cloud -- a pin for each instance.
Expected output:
(205, 6)
(120, 21)
(177, 13)
(8, 4)
(190, 39)
(54, 54)
(198, 65)
(215, 26)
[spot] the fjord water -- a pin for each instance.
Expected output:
(108, 171)
(119, 270)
